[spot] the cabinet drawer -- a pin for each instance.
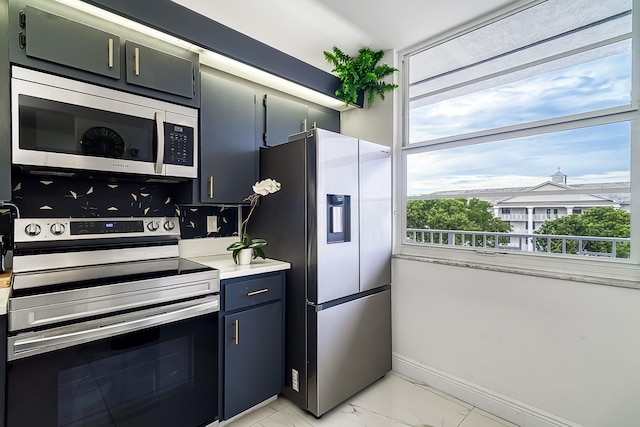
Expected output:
(247, 292)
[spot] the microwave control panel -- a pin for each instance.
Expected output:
(178, 145)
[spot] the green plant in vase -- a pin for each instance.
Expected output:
(360, 73)
(261, 188)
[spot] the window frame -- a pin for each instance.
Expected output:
(616, 272)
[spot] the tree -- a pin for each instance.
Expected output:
(605, 221)
(417, 213)
(454, 214)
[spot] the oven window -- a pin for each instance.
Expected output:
(162, 376)
(88, 390)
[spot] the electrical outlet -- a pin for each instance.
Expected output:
(212, 224)
(295, 384)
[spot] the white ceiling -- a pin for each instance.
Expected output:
(305, 28)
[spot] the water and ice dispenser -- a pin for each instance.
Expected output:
(338, 218)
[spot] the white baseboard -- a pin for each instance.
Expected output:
(502, 406)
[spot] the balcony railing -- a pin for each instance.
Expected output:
(513, 217)
(534, 217)
(611, 247)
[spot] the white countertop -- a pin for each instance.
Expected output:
(212, 252)
(229, 269)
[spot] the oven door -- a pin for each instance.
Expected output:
(155, 367)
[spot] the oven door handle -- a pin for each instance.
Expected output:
(42, 344)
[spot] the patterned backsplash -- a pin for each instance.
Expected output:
(63, 197)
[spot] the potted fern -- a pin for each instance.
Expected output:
(360, 74)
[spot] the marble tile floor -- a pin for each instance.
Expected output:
(393, 401)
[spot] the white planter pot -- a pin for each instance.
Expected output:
(244, 257)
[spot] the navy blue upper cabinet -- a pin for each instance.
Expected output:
(157, 70)
(284, 117)
(53, 37)
(56, 39)
(228, 143)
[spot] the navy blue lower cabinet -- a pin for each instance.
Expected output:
(253, 364)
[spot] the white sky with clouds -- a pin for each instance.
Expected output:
(588, 155)
(584, 87)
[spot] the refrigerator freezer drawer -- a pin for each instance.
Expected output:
(352, 349)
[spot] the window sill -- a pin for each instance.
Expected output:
(595, 271)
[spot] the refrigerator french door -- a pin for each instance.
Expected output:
(332, 222)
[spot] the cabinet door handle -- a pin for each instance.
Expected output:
(137, 58)
(237, 323)
(110, 53)
(261, 291)
(211, 187)
(304, 125)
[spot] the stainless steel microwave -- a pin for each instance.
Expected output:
(67, 126)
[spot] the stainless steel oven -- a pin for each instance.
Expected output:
(109, 327)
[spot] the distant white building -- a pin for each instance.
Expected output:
(555, 199)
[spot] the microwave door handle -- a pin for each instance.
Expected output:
(159, 142)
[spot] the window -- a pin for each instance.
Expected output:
(501, 121)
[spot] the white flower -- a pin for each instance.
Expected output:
(266, 186)
(261, 188)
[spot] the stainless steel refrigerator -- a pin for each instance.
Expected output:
(332, 221)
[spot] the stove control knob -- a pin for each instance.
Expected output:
(32, 229)
(153, 225)
(57, 228)
(169, 225)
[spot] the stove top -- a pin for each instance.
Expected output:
(72, 253)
